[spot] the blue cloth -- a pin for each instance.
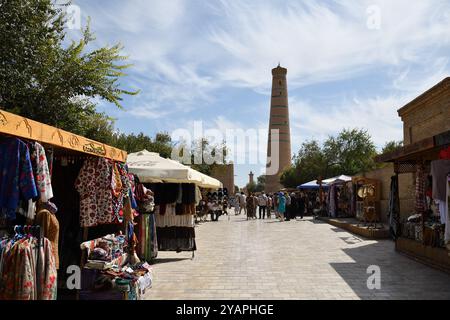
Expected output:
(16, 175)
(281, 203)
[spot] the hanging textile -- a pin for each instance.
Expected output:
(394, 209)
(16, 176)
(28, 271)
(50, 229)
(420, 203)
(439, 171)
(94, 186)
(333, 201)
(42, 174)
(447, 215)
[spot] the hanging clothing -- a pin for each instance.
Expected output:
(171, 219)
(333, 201)
(50, 229)
(42, 174)
(439, 171)
(28, 272)
(420, 203)
(447, 215)
(394, 209)
(94, 186)
(16, 176)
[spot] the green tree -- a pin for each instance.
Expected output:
(251, 187)
(350, 152)
(44, 80)
(391, 146)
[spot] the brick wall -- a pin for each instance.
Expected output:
(406, 190)
(424, 119)
(225, 174)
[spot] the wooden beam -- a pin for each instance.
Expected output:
(22, 127)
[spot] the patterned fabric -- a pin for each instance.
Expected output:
(420, 204)
(42, 174)
(121, 185)
(16, 175)
(25, 275)
(94, 186)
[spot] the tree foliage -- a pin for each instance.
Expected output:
(391, 146)
(350, 152)
(47, 81)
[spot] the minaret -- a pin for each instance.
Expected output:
(279, 120)
(250, 178)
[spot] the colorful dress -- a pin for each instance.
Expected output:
(94, 186)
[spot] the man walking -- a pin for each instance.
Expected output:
(262, 204)
(242, 203)
(288, 207)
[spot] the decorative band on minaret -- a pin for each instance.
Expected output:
(279, 120)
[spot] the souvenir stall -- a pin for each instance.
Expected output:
(57, 190)
(424, 233)
(339, 196)
(366, 200)
(176, 190)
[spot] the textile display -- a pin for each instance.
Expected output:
(16, 177)
(439, 171)
(27, 270)
(420, 203)
(394, 209)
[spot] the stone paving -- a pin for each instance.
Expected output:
(309, 259)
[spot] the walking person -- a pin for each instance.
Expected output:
(269, 206)
(302, 204)
(288, 207)
(275, 205)
(243, 203)
(281, 208)
(250, 205)
(294, 205)
(262, 204)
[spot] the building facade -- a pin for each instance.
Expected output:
(225, 174)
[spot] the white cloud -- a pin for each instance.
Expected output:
(378, 115)
(320, 43)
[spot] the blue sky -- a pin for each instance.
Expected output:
(211, 61)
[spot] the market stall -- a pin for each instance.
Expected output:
(339, 196)
(425, 232)
(366, 200)
(177, 192)
(58, 190)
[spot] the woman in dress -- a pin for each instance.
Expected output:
(251, 209)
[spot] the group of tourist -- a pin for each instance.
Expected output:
(285, 206)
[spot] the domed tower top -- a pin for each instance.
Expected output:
(279, 70)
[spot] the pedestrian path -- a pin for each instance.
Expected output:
(308, 259)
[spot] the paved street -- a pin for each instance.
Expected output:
(239, 259)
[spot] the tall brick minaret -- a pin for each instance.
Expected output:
(279, 120)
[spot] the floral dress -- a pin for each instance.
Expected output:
(96, 198)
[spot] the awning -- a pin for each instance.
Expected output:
(150, 167)
(311, 185)
(338, 179)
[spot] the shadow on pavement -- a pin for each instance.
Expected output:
(168, 260)
(400, 277)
